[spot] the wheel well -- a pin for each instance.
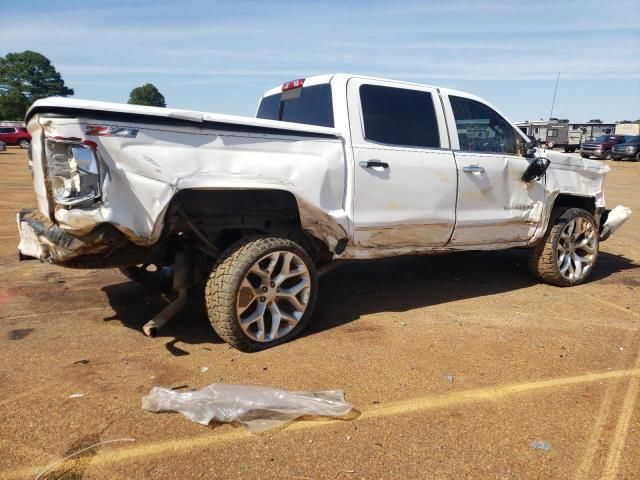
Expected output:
(574, 201)
(225, 216)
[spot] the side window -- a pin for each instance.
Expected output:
(481, 129)
(6, 130)
(552, 133)
(398, 116)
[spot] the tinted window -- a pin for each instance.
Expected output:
(399, 117)
(310, 105)
(6, 130)
(482, 129)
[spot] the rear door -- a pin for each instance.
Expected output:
(405, 173)
(494, 205)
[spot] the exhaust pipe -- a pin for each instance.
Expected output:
(180, 285)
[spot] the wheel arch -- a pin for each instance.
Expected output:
(226, 215)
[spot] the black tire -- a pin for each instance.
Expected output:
(607, 155)
(637, 157)
(159, 279)
(543, 258)
(567, 149)
(24, 143)
(224, 284)
(583, 155)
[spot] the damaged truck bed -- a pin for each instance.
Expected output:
(335, 167)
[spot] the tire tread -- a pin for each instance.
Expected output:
(229, 270)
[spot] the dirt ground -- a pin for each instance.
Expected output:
(457, 366)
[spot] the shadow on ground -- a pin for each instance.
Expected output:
(359, 288)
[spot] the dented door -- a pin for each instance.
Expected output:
(404, 172)
(494, 205)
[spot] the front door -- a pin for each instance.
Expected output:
(494, 205)
(405, 173)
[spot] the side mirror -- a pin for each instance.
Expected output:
(536, 170)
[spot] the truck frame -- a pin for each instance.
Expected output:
(248, 211)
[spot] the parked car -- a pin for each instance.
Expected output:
(629, 150)
(3, 146)
(246, 211)
(602, 146)
(15, 136)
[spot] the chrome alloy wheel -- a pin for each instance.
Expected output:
(273, 296)
(577, 249)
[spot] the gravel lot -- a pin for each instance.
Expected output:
(457, 364)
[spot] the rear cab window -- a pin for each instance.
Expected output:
(311, 105)
(398, 116)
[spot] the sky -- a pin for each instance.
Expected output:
(220, 56)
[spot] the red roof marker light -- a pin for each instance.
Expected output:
(292, 84)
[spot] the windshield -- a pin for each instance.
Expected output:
(310, 105)
(603, 138)
(632, 139)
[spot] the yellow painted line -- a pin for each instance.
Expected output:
(622, 428)
(178, 446)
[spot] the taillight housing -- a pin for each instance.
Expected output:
(74, 171)
(293, 84)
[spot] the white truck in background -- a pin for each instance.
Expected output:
(627, 129)
(246, 211)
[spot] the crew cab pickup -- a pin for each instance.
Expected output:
(247, 211)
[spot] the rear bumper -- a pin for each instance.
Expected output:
(104, 247)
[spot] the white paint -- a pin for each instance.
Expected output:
(425, 202)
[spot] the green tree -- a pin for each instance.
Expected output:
(24, 78)
(147, 94)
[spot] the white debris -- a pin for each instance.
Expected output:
(258, 408)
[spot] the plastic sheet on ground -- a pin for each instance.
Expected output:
(258, 408)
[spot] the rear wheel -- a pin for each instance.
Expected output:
(568, 252)
(24, 143)
(261, 293)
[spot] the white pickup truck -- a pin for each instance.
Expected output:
(246, 211)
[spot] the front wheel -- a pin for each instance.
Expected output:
(261, 293)
(24, 143)
(568, 252)
(607, 155)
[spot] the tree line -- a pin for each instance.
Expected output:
(28, 76)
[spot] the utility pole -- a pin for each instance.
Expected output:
(553, 102)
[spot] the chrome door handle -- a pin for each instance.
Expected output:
(373, 164)
(473, 169)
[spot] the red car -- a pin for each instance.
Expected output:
(15, 136)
